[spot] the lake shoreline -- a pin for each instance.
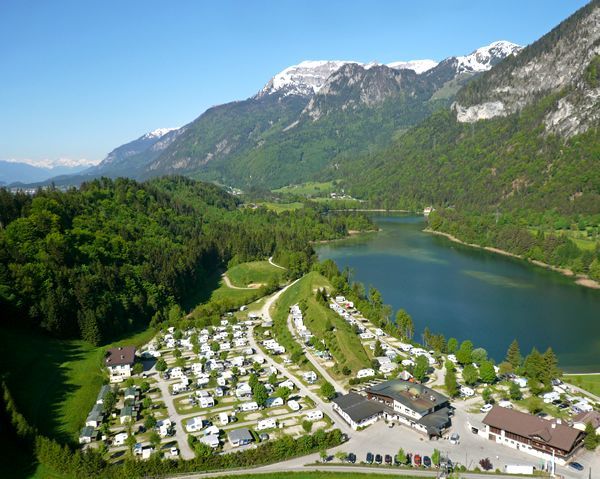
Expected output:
(580, 279)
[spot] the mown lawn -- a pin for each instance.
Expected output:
(255, 272)
(589, 382)
(310, 188)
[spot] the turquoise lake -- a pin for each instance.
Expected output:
(473, 294)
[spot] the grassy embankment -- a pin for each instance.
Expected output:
(255, 273)
(344, 345)
(589, 382)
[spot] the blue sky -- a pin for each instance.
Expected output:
(79, 78)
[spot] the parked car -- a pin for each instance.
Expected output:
(576, 466)
(416, 460)
(542, 414)
(409, 457)
(388, 459)
(486, 408)
(174, 452)
(454, 438)
(369, 458)
(426, 461)
(390, 425)
(263, 436)
(378, 459)
(351, 458)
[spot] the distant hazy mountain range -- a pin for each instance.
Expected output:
(20, 172)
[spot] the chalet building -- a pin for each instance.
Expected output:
(119, 362)
(408, 403)
(533, 435)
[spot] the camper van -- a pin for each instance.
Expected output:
(314, 415)
(223, 418)
(248, 406)
(266, 424)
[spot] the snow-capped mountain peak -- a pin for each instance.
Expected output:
(418, 66)
(159, 132)
(486, 57)
(305, 78)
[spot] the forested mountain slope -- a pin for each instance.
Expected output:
(302, 124)
(511, 157)
(95, 262)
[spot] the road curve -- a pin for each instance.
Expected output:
(273, 264)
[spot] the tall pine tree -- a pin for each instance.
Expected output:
(513, 355)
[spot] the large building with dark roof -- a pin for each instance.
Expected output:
(404, 402)
(119, 362)
(550, 440)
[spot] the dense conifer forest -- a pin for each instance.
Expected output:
(94, 262)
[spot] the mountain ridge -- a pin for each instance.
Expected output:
(257, 141)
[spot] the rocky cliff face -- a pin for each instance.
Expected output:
(561, 62)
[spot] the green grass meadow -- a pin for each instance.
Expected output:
(255, 272)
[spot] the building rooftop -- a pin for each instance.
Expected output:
(87, 431)
(592, 417)
(552, 433)
(127, 411)
(413, 395)
(120, 356)
(237, 435)
(358, 407)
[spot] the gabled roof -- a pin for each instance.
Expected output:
(120, 356)
(552, 433)
(412, 395)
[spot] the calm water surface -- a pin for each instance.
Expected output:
(472, 294)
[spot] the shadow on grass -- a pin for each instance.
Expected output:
(202, 291)
(40, 373)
